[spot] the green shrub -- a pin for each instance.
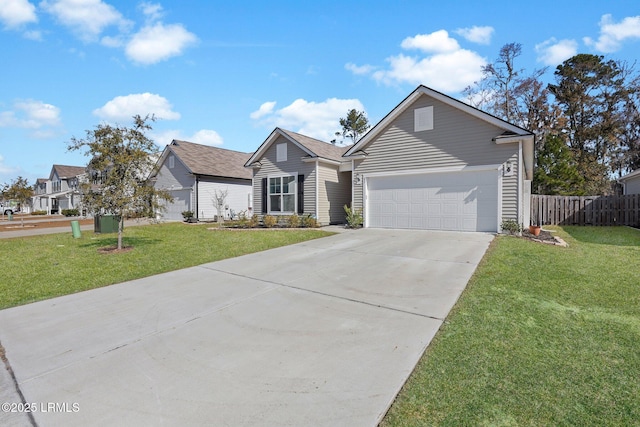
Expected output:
(253, 221)
(39, 213)
(70, 212)
(269, 221)
(511, 226)
(187, 215)
(293, 221)
(354, 217)
(309, 222)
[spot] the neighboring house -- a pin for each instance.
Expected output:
(40, 201)
(432, 163)
(630, 183)
(192, 173)
(60, 191)
(293, 173)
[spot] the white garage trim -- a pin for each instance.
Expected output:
(434, 170)
(463, 199)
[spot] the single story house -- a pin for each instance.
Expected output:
(432, 163)
(293, 173)
(193, 173)
(630, 182)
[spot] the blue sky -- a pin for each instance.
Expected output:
(227, 73)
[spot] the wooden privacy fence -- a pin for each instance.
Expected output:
(586, 210)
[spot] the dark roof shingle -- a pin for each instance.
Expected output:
(65, 171)
(213, 161)
(319, 148)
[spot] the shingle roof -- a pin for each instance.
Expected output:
(317, 147)
(206, 160)
(68, 171)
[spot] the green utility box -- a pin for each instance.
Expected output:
(105, 223)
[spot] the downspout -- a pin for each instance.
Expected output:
(317, 192)
(196, 196)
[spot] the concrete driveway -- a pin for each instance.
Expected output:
(321, 333)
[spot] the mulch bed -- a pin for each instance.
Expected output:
(18, 224)
(544, 237)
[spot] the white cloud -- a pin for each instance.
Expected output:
(448, 72)
(31, 114)
(87, 18)
(158, 42)
(613, 34)
(265, 108)
(15, 13)
(203, 136)
(475, 34)
(436, 42)
(123, 108)
(319, 120)
(33, 35)
(553, 52)
(445, 65)
(359, 69)
(152, 11)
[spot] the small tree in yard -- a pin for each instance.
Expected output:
(124, 156)
(19, 191)
(219, 198)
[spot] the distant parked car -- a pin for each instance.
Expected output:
(7, 210)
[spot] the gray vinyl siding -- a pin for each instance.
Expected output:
(176, 178)
(632, 186)
(334, 191)
(294, 164)
(510, 191)
(457, 139)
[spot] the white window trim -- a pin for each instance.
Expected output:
(295, 193)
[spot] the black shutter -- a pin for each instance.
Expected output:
(264, 196)
(300, 194)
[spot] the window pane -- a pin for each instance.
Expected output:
(289, 203)
(288, 184)
(275, 204)
(274, 185)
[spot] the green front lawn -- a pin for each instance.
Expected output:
(41, 267)
(542, 336)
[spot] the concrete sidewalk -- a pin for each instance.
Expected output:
(321, 333)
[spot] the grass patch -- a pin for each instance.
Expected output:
(542, 335)
(41, 267)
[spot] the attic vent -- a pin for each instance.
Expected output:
(423, 119)
(281, 152)
(172, 161)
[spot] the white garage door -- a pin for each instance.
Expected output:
(181, 203)
(459, 201)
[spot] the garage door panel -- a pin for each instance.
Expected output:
(465, 201)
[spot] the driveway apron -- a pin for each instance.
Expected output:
(321, 333)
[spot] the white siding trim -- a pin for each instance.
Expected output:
(520, 214)
(434, 170)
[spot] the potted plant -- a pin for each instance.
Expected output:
(535, 228)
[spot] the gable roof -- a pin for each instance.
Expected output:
(207, 160)
(512, 133)
(65, 171)
(314, 148)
